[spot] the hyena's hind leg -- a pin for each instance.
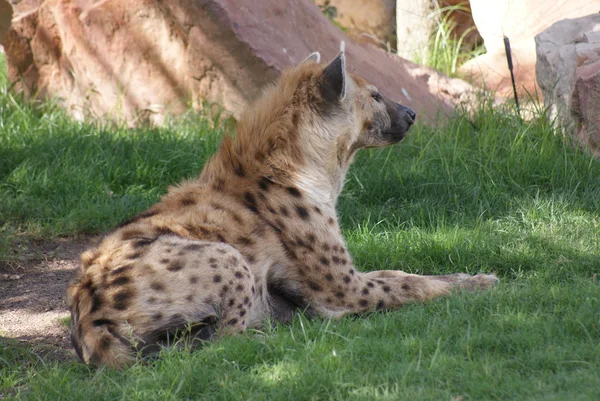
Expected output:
(174, 286)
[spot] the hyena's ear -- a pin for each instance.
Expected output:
(333, 80)
(313, 58)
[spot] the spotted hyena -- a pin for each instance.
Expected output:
(254, 237)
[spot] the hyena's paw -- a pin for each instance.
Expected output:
(478, 282)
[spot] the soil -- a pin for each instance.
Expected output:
(33, 285)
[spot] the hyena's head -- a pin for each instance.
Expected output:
(339, 113)
(313, 121)
(362, 116)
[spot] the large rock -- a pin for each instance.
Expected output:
(520, 21)
(5, 17)
(568, 72)
(141, 58)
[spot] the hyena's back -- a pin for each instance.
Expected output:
(147, 290)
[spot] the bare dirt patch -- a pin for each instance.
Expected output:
(33, 286)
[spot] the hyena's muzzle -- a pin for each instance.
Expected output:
(401, 117)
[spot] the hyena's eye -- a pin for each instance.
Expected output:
(376, 96)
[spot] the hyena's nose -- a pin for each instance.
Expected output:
(411, 113)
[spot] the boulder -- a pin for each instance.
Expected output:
(568, 72)
(520, 21)
(141, 59)
(5, 17)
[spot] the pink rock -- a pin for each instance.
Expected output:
(140, 59)
(585, 105)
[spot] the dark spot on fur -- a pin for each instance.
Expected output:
(406, 287)
(238, 275)
(370, 284)
(156, 286)
(187, 200)
(386, 288)
(121, 299)
(331, 221)
(218, 185)
(326, 247)
(328, 300)
(340, 295)
(239, 287)
(134, 255)
(221, 238)
(175, 265)
(238, 169)
(165, 261)
(246, 299)
(194, 247)
(217, 278)
(151, 300)
(245, 241)
(157, 316)
(231, 302)
(189, 298)
(314, 286)
(102, 322)
(242, 313)
(365, 291)
(121, 280)
(347, 279)
(143, 242)
(335, 260)
(351, 271)
(221, 251)
(380, 304)
(294, 192)
(288, 250)
(295, 118)
(120, 270)
(233, 321)
(264, 183)
(250, 200)
(363, 302)
(224, 290)
(283, 210)
(271, 210)
(251, 259)
(193, 279)
(302, 212)
(329, 277)
(318, 210)
(324, 260)
(214, 265)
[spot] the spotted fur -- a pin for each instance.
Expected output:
(256, 235)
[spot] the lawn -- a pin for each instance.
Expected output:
(484, 193)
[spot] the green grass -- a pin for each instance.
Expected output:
(489, 193)
(445, 51)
